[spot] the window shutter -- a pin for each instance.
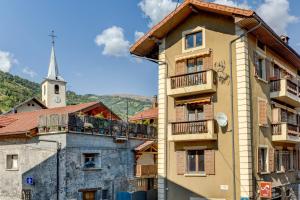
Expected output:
(208, 62)
(180, 162)
(268, 68)
(208, 111)
(262, 113)
(181, 67)
(209, 162)
(181, 113)
(276, 157)
(271, 160)
(258, 161)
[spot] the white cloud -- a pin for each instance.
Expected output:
(276, 14)
(156, 10)
(233, 3)
(6, 61)
(113, 41)
(138, 35)
(29, 71)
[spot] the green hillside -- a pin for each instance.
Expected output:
(14, 90)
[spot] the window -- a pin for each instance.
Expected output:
(12, 162)
(56, 89)
(287, 160)
(262, 159)
(195, 161)
(195, 112)
(104, 195)
(194, 65)
(91, 160)
(194, 40)
(278, 160)
(261, 72)
(261, 45)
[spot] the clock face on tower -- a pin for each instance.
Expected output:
(57, 99)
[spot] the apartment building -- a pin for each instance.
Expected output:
(206, 148)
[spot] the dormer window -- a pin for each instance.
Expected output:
(56, 89)
(194, 40)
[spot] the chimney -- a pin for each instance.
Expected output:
(285, 38)
(154, 101)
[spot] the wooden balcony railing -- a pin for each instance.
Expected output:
(190, 79)
(190, 127)
(146, 170)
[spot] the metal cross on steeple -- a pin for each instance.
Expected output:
(53, 37)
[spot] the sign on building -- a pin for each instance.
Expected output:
(265, 189)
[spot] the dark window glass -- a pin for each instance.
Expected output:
(199, 64)
(195, 112)
(263, 159)
(278, 164)
(260, 68)
(189, 41)
(192, 161)
(190, 66)
(104, 194)
(56, 89)
(261, 45)
(199, 39)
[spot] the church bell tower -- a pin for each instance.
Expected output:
(53, 86)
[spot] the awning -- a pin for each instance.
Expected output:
(202, 100)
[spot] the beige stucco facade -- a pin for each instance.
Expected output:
(218, 32)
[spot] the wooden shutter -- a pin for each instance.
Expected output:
(276, 157)
(180, 162)
(271, 160)
(268, 69)
(262, 113)
(180, 67)
(181, 113)
(208, 111)
(208, 62)
(209, 162)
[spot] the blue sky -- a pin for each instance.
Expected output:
(92, 36)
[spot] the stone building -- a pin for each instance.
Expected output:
(228, 122)
(82, 152)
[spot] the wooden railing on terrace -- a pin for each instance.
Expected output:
(189, 127)
(146, 170)
(94, 125)
(189, 79)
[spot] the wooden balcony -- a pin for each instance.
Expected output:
(191, 83)
(284, 132)
(286, 91)
(146, 171)
(192, 131)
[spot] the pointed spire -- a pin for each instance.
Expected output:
(53, 67)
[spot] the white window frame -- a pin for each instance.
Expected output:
(203, 148)
(266, 156)
(6, 162)
(191, 31)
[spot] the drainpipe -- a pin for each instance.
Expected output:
(232, 106)
(57, 164)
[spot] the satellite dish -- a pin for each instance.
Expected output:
(222, 119)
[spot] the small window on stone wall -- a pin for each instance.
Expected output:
(12, 162)
(56, 89)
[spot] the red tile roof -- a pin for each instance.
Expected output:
(21, 123)
(151, 113)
